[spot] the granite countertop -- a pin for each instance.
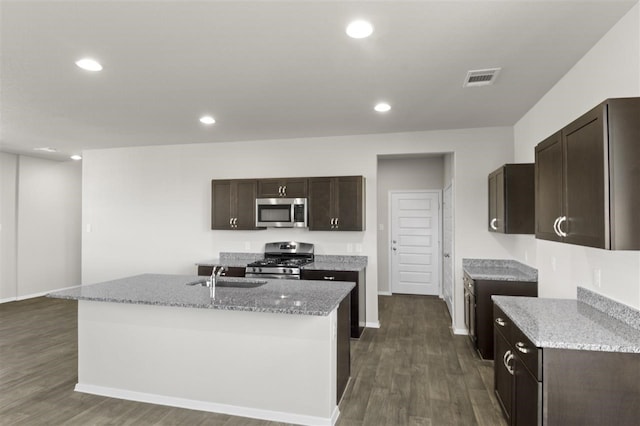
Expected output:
(570, 324)
(300, 297)
(499, 270)
(321, 261)
(337, 263)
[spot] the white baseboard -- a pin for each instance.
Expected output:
(32, 295)
(461, 331)
(255, 413)
(373, 324)
(385, 293)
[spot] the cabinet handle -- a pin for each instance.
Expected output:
(337, 224)
(555, 226)
(493, 224)
(500, 322)
(280, 191)
(231, 221)
(506, 359)
(522, 348)
(329, 278)
(560, 221)
(284, 190)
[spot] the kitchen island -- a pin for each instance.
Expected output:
(275, 352)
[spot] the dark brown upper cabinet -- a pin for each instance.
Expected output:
(511, 199)
(282, 187)
(233, 204)
(336, 203)
(586, 179)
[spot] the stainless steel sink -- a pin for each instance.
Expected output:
(237, 282)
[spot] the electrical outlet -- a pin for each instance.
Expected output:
(359, 248)
(349, 248)
(88, 227)
(597, 277)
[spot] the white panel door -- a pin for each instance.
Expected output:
(447, 248)
(415, 238)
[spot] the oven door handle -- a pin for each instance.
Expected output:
(273, 276)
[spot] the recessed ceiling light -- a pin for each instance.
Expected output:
(76, 157)
(45, 149)
(359, 29)
(89, 64)
(207, 119)
(382, 107)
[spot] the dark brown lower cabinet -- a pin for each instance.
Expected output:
(565, 387)
(343, 347)
(358, 303)
(479, 317)
(232, 271)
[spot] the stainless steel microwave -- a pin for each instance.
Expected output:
(281, 212)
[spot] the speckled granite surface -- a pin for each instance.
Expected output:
(299, 297)
(337, 263)
(569, 324)
(321, 261)
(610, 307)
(498, 270)
(232, 259)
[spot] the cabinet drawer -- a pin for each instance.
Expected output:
(528, 353)
(233, 271)
(503, 324)
(350, 276)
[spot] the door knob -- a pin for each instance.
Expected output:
(446, 255)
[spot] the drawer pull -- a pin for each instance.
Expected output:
(522, 348)
(329, 278)
(506, 360)
(500, 322)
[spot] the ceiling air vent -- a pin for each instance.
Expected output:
(481, 77)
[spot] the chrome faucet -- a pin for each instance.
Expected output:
(215, 274)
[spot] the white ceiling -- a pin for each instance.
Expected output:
(270, 70)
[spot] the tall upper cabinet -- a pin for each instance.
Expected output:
(587, 178)
(511, 196)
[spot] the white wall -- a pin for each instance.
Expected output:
(148, 208)
(401, 174)
(610, 69)
(8, 252)
(41, 208)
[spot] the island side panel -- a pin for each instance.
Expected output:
(272, 366)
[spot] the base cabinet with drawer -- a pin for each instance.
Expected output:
(566, 387)
(478, 308)
(358, 302)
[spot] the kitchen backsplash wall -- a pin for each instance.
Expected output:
(611, 69)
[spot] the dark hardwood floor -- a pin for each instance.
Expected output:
(411, 371)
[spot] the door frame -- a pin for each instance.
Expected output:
(390, 228)
(450, 188)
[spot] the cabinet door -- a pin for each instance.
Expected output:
(584, 177)
(528, 396)
(295, 188)
(548, 183)
(348, 203)
(221, 208)
(496, 201)
(269, 188)
(320, 205)
(245, 201)
(503, 378)
(289, 187)
(493, 214)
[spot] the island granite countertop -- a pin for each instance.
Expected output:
(300, 297)
(572, 324)
(499, 270)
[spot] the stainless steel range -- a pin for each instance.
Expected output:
(281, 260)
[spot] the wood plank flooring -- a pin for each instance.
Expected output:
(412, 371)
